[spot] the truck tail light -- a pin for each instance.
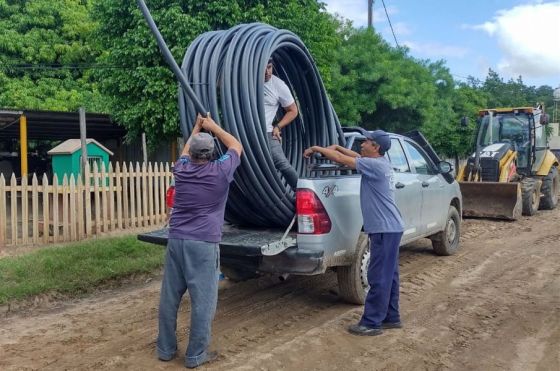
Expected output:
(311, 214)
(170, 197)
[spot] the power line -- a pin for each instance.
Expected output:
(54, 67)
(390, 24)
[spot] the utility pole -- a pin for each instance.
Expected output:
(370, 14)
(83, 139)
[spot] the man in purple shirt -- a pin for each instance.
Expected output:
(195, 231)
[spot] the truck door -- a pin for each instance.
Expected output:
(434, 203)
(408, 191)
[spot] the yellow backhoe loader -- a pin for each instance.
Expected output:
(512, 170)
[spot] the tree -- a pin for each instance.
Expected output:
(143, 90)
(377, 86)
(45, 56)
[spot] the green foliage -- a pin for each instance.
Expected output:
(38, 38)
(76, 268)
(376, 86)
(514, 93)
(144, 92)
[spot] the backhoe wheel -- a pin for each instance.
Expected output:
(549, 190)
(531, 194)
(446, 242)
(352, 280)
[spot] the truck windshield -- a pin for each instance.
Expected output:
(507, 128)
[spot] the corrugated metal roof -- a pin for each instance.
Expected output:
(53, 125)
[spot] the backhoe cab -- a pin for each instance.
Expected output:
(511, 171)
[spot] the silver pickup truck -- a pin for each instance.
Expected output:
(329, 231)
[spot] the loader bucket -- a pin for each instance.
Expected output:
(494, 200)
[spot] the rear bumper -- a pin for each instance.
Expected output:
(293, 260)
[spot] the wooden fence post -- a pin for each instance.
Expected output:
(73, 220)
(140, 217)
(55, 208)
(3, 216)
(156, 194)
(46, 209)
(80, 208)
(97, 198)
(132, 199)
(87, 201)
(144, 200)
(35, 208)
(111, 199)
(150, 176)
(65, 221)
(24, 211)
(104, 197)
(13, 210)
(120, 192)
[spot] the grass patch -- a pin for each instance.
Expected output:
(76, 268)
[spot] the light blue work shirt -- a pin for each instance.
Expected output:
(377, 196)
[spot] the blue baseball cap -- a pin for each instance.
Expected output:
(380, 137)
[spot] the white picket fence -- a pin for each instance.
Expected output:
(104, 201)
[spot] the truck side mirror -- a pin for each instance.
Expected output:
(544, 120)
(464, 121)
(444, 167)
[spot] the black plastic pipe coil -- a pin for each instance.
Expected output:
(225, 71)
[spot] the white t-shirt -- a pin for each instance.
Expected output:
(276, 93)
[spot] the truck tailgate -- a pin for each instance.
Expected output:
(235, 241)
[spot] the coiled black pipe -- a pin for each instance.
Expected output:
(223, 73)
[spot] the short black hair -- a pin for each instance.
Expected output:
(270, 61)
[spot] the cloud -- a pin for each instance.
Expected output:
(529, 38)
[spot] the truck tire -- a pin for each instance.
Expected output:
(549, 190)
(446, 242)
(531, 195)
(352, 279)
(237, 275)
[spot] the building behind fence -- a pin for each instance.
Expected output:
(35, 211)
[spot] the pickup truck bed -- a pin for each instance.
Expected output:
(245, 249)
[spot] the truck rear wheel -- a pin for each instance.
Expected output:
(549, 190)
(352, 280)
(446, 242)
(531, 195)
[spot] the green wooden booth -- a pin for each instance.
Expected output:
(67, 156)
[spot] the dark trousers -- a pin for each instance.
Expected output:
(382, 301)
(281, 163)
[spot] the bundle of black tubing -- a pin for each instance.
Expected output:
(223, 74)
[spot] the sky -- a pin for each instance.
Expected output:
(512, 37)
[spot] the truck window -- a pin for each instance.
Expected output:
(397, 157)
(357, 145)
(418, 159)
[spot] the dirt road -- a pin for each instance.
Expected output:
(493, 306)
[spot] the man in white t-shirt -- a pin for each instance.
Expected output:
(276, 94)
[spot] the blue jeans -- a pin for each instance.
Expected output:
(281, 163)
(382, 301)
(193, 265)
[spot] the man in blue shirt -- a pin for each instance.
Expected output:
(382, 222)
(195, 231)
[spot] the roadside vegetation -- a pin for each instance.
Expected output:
(76, 268)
